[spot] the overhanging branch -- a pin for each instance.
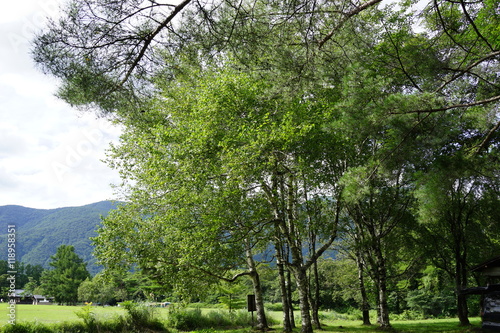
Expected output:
(346, 17)
(455, 106)
(151, 36)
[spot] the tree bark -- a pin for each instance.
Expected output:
(460, 282)
(257, 289)
(365, 306)
(290, 299)
(287, 325)
(315, 298)
(305, 310)
(381, 276)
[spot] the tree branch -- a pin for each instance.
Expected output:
(330, 241)
(234, 278)
(487, 139)
(455, 106)
(471, 21)
(401, 65)
(151, 36)
(467, 70)
(346, 17)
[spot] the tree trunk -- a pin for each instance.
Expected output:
(287, 326)
(463, 311)
(383, 307)
(305, 310)
(382, 304)
(460, 283)
(290, 299)
(315, 298)
(257, 288)
(365, 307)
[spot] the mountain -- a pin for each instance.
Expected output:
(40, 231)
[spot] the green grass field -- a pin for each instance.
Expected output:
(48, 314)
(55, 313)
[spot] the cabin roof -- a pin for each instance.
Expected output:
(493, 262)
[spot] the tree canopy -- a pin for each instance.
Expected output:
(282, 125)
(63, 280)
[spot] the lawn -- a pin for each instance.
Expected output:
(54, 313)
(57, 313)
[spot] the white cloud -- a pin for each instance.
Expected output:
(50, 155)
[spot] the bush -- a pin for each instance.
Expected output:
(431, 304)
(17, 328)
(192, 319)
(141, 316)
(274, 307)
(69, 328)
(408, 315)
(27, 328)
(185, 319)
(218, 319)
(88, 317)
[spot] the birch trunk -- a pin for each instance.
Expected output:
(287, 325)
(257, 289)
(305, 310)
(315, 298)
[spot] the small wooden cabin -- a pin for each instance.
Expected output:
(490, 269)
(490, 294)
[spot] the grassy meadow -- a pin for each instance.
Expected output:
(56, 314)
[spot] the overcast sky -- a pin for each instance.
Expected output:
(50, 154)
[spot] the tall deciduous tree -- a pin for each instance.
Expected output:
(230, 160)
(63, 280)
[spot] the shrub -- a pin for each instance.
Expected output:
(192, 319)
(274, 307)
(185, 319)
(218, 319)
(67, 327)
(141, 316)
(17, 328)
(33, 327)
(88, 317)
(408, 315)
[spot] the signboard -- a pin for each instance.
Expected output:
(251, 306)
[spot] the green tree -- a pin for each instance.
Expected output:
(452, 196)
(100, 290)
(338, 276)
(231, 161)
(106, 54)
(68, 271)
(34, 271)
(32, 288)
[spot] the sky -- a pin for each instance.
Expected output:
(50, 154)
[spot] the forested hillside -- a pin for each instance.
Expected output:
(41, 231)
